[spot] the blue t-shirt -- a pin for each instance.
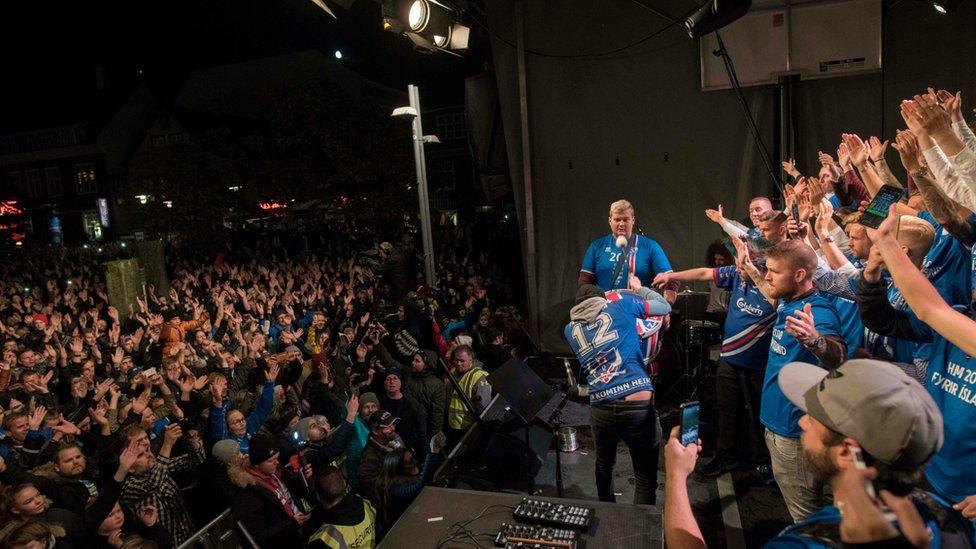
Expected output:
(609, 349)
(851, 327)
(947, 265)
(776, 412)
(908, 352)
(646, 257)
(748, 322)
(951, 380)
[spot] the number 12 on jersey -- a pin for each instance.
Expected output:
(594, 335)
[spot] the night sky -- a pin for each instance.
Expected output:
(52, 51)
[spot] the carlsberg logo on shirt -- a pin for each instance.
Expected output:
(745, 307)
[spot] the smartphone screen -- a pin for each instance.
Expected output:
(878, 208)
(689, 423)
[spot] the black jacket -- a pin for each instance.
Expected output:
(879, 316)
(265, 519)
(321, 454)
(411, 424)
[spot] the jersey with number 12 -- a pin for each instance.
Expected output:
(610, 349)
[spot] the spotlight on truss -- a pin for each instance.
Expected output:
(429, 24)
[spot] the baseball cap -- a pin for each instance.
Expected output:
(382, 418)
(874, 402)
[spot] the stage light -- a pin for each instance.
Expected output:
(944, 7)
(714, 15)
(429, 24)
(417, 15)
(338, 54)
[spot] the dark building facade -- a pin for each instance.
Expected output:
(64, 178)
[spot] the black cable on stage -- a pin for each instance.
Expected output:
(459, 530)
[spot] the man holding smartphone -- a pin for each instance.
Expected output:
(866, 414)
(606, 333)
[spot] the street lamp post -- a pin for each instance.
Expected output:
(421, 164)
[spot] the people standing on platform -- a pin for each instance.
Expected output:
(748, 330)
(605, 334)
(758, 207)
(624, 259)
(472, 379)
(807, 329)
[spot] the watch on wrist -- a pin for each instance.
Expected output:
(921, 172)
(828, 238)
(817, 344)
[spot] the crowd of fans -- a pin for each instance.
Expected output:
(294, 378)
(849, 343)
(297, 378)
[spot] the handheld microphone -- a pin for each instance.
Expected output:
(297, 462)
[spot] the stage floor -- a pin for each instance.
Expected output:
(734, 509)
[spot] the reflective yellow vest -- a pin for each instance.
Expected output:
(353, 536)
(457, 415)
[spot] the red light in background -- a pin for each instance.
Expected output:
(9, 207)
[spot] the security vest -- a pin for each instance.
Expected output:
(457, 415)
(352, 536)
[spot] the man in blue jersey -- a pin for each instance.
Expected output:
(865, 407)
(758, 207)
(739, 375)
(635, 263)
(807, 329)
(605, 333)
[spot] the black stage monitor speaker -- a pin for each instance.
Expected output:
(525, 391)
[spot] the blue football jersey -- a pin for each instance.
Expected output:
(611, 350)
(646, 259)
(748, 323)
(947, 265)
(776, 412)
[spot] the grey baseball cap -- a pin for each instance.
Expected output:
(874, 402)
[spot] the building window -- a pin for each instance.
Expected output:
(85, 178)
(442, 176)
(53, 177)
(92, 225)
(451, 126)
(174, 138)
(35, 188)
(13, 182)
(158, 140)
